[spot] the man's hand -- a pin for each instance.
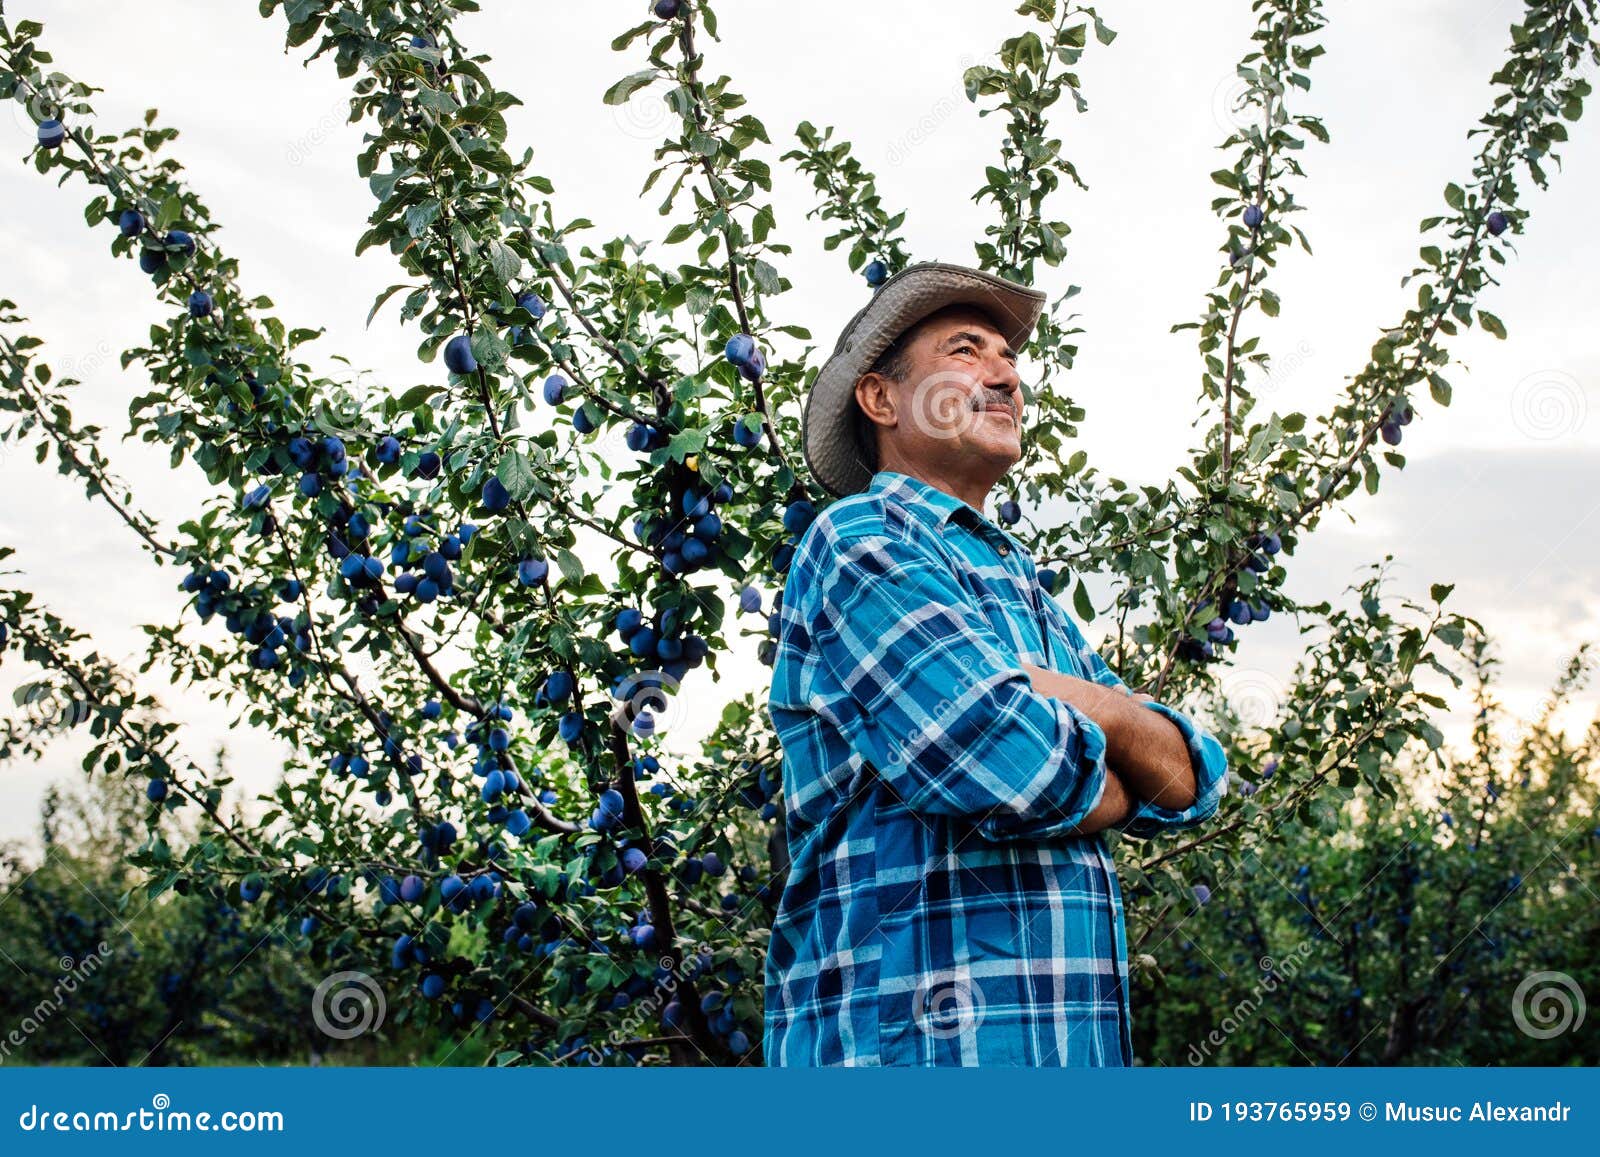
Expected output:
(1143, 747)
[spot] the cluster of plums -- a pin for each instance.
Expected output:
(422, 556)
(688, 535)
(1237, 612)
(661, 639)
(249, 612)
(1393, 420)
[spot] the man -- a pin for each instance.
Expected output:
(952, 745)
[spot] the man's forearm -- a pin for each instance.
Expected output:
(1143, 747)
(1115, 806)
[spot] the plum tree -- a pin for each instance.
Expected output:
(1409, 943)
(424, 595)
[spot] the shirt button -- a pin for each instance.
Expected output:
(1004, 551)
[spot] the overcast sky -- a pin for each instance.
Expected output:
(1502, 492)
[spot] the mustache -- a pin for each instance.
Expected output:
(986, 397)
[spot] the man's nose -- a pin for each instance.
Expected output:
(1003, 376)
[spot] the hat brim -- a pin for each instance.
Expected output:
(828, 436)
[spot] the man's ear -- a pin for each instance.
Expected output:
(875, 399)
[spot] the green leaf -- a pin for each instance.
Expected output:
(415, 396)
(628, 85)
(571, 568)
(515, 471)
(1492, 323)
(1081, 602)
(505, 263)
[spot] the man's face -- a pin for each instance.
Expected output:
(960, 405)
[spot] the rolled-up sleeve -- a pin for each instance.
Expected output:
(1206, 755)
(945, 716)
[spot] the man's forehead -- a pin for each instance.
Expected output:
(956, 319)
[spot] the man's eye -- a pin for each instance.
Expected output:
(964, 349)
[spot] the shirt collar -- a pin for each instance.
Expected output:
(928, 501)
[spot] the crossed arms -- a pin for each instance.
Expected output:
(933, 700)
(1146, 757)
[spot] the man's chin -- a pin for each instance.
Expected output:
(998, 450)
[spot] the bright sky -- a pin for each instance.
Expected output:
(1501, 495)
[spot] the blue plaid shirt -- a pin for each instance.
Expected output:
(938, 911)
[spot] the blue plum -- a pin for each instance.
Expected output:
(458, 357)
